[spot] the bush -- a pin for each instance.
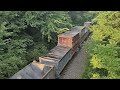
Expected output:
(104, 46)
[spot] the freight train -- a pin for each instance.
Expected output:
(51, 65)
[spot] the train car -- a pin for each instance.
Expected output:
(83, 38)
(58, 57)
(80, 29)
(68, 39)
(35, 70)
(83, 34)
(73, 37)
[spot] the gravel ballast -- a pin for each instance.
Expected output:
(75, 68)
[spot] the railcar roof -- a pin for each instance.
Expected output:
(75, 30)
(57, 53)
(78, 27)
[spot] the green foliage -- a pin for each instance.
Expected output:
(48, 22)
(39, 49)
(79, 17)
(88, 71)
(95, 76)
(10, 64)
(104, 46)
(26, 35)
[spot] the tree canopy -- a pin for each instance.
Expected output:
(26, 35)
(104, 46)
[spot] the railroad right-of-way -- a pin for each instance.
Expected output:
(76, 66)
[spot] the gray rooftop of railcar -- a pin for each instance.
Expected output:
(75, 30)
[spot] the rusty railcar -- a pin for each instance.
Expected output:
(72, 37)
(80, 29)
(83, 34)
(35, 70)
(58, 57)
(68, 39)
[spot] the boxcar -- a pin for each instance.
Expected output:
(80, 29)
(68, 39)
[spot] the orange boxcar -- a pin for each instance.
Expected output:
(68, 39)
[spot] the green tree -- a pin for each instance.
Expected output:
(26, 35)
(79, 17)
(105, 39)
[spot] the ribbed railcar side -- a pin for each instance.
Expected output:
(83, 34)
(58, 57)
(68, 44)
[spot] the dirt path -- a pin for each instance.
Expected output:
(76, 66)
